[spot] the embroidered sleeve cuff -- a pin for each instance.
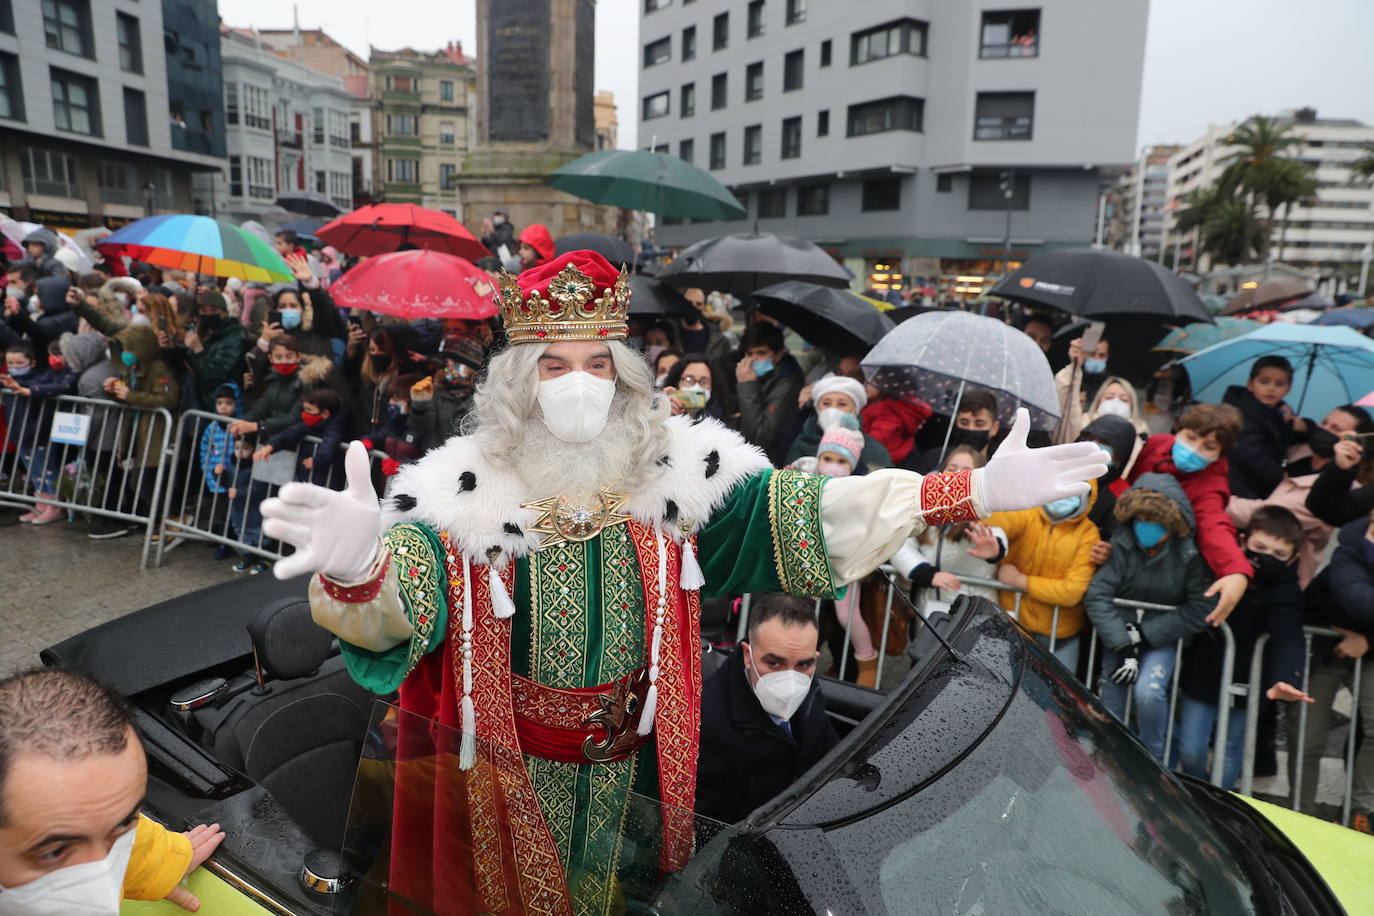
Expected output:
(365, 588)
(948, 498)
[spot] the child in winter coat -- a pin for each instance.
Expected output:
(1196, 457)
(1156, 561)
(29, 414)
(323, 416)
(1273, 605)
(439, 403)
(1258, 458)
(245, 501)
(216, 442)
(393, 434)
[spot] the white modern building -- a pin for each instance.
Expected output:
(1138, 204)
(1324, 236)
(891, 131)
(108, 108)
(288, 130)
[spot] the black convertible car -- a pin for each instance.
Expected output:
(987, 782)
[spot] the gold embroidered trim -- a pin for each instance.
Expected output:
(420, 576)
(794, 517)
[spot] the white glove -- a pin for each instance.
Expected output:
(1129, 670)
(1018, 477)
(334, 532)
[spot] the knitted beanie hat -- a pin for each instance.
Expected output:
(847, 443)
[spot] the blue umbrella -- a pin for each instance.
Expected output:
(1352, 317)
(1331, 365)
(1199, 335)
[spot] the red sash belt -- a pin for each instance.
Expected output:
(580, 724)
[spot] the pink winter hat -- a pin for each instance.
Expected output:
(847, 443)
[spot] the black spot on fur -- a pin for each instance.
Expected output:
(512, 528)
(712, 463)
(697, 419)
(670, 511)
(467, 481)
(665, 461)
(492, 554)
(404, 502)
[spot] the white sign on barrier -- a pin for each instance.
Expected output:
(70, 428)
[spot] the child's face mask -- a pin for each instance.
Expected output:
(833, 467)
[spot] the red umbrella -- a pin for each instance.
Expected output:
(418, 284)
(383, 228)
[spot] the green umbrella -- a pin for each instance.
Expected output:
(641, 180)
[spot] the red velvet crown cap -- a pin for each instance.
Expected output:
(596, 267)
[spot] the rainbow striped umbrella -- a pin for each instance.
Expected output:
(199, 244)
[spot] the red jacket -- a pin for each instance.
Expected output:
(894, 422)
(1209, 491)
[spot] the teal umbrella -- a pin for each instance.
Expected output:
(641, 180)
(1199, 335)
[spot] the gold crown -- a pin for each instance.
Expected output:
(572, 311)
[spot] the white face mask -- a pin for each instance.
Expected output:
(833, 468)
(576, 405)
(780, 693)
(660, 379)
(831, 417)
(89, 889)
(1114, 407)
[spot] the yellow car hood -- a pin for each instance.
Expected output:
(1344, 858)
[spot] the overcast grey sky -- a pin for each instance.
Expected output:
(1206, 61)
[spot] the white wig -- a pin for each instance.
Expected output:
(506, 403)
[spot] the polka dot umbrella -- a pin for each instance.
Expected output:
(937, 356)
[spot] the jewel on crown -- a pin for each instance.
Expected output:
(574, 308)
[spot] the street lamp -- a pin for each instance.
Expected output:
(1006, 180)
(1366, 255)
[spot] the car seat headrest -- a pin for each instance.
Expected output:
(287, 643)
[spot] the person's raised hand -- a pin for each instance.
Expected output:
(193, 342)
(204, 841)
(300, 267)
(11, 306)
(804, 397)
(744, 371)
(1076, 350)
(334, 532)
(984, 543)
(1019, 477)
(1229, 590)
(1286, 691)
(1348, 453)
(947, 581)
(1101, 553)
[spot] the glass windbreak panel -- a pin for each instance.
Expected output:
(425, 836)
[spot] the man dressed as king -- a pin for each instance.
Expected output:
(533, 587)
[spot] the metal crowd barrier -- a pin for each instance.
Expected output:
(95, 454)
(211, 515)
(1296, 743)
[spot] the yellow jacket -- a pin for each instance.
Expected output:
(158, 862)
(1056, 558)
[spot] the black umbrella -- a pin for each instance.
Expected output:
(830, 318)
(747, 261)
(1101, 284)
(618, 252)
(305, 226)
(308, 203)
(653, 297)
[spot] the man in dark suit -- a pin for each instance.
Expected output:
(763, 720)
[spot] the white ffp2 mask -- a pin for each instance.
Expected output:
(88, 889)
(780, 693)
(576, 405)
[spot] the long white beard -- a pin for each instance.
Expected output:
(548, 466)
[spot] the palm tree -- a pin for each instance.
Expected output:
(1287, 182)
(1199, 206)
(1363, 167)
(1260, 143)
(1233, 233)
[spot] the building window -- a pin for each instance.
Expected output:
(231, 103)
(261, 183)
(882, 194)
(49, 172)
(403, 170)
(135, 117)
(401, 83)
(791, 138)
(341, 189)
(720, 32)
(823, 123)
(658, 52)
(825, 53)
(688, 106)
(130, 43)
(446, 90)
(656, 105)
(792, 66)
(900, 112)
(75, 103)
(235, 176)
(653, 6)
(192, 54)
(755, 19)
(1010, 33)
(989, 190)
(661, 149)
(11, 93)
(753, 82)
(317, 128)
(718, 91)
(355, 132)
(813, 200)
(400, 125)
(905, 36)
(1004, 116)
(321, 183)
(338, 130)
(686, 150)
(446, 133)
(447, 171)
(689, 43)
(944, 183)
(718, 151)
(796, 11)
(6, 22)
(67, 26)
(753, 144)
(773, 203)
(257, 107)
